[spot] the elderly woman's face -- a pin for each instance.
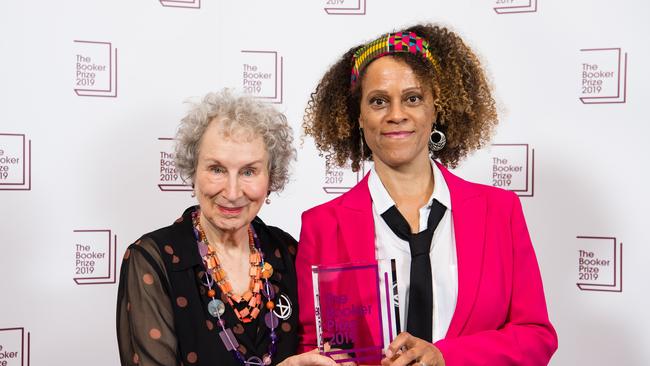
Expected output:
(397, 113)
(232, 177)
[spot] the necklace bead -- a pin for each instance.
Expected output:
(216, 308)
(267, 271)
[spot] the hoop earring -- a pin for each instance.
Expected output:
(437, 139)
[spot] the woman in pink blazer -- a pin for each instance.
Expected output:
(473, 289)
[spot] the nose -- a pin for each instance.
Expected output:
(396, 113)
(232, 189)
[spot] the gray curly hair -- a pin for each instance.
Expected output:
(236, 113)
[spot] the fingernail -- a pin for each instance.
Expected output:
(389, 353)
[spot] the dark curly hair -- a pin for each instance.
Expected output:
(465, 109)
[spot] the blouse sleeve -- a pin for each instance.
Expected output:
(145, 321)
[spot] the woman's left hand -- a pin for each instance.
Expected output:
(407, 349)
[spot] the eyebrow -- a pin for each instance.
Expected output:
(410, 89)
(414, 88)
(215, 161)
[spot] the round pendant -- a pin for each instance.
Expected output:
(267, 270)
(271, 320)
(216, 308)
(283, 307)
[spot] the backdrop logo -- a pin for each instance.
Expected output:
(262, 75)
(94, 257)
(189, 4)
(170, 179)
(338, 180)
(600, 264)
(603, 76)
(95, 69)
(14, 349)
(345, 7)
(15, 163)
(512, 167)
(515, 6)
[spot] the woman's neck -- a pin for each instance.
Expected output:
(408, 185)
(231, 243)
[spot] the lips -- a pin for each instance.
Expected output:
(230, 210)
(398, 134)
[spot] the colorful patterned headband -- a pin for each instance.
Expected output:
(407, 42)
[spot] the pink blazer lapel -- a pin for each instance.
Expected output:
(469, 209)
(356, 225)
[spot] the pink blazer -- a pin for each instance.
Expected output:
(500, 316)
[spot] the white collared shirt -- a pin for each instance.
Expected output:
(443, 252)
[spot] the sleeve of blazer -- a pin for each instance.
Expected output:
(527, 338)
(305, 257)
(318, 233)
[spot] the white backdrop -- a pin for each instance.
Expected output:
(91, 92)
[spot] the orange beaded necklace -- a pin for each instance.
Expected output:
(252, 296)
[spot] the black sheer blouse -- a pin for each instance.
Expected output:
(162, 316)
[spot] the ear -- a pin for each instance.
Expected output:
(437, 108)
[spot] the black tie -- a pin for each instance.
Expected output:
(420, 309)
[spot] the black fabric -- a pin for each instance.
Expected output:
(196, 332)
(420, 309)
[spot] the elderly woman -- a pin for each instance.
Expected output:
(470, 291)
(218, 286)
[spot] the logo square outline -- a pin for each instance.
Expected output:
(531, 7)
(27, 166)
(530, 168)
(173, 187)
(112, 75)
(614, 99)
(617, 286)
(278, 87)
(22, 344)
(111, 278)
(186, 4)
(360, 9)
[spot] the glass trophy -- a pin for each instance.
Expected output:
(356, 310)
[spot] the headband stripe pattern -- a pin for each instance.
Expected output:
(400, 42)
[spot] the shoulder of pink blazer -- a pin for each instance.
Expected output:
(356, 198)
(460, 190)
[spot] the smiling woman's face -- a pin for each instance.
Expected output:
(397, 113)
(232, 178)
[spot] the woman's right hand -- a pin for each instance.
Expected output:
(311, 358)
(407, 349)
